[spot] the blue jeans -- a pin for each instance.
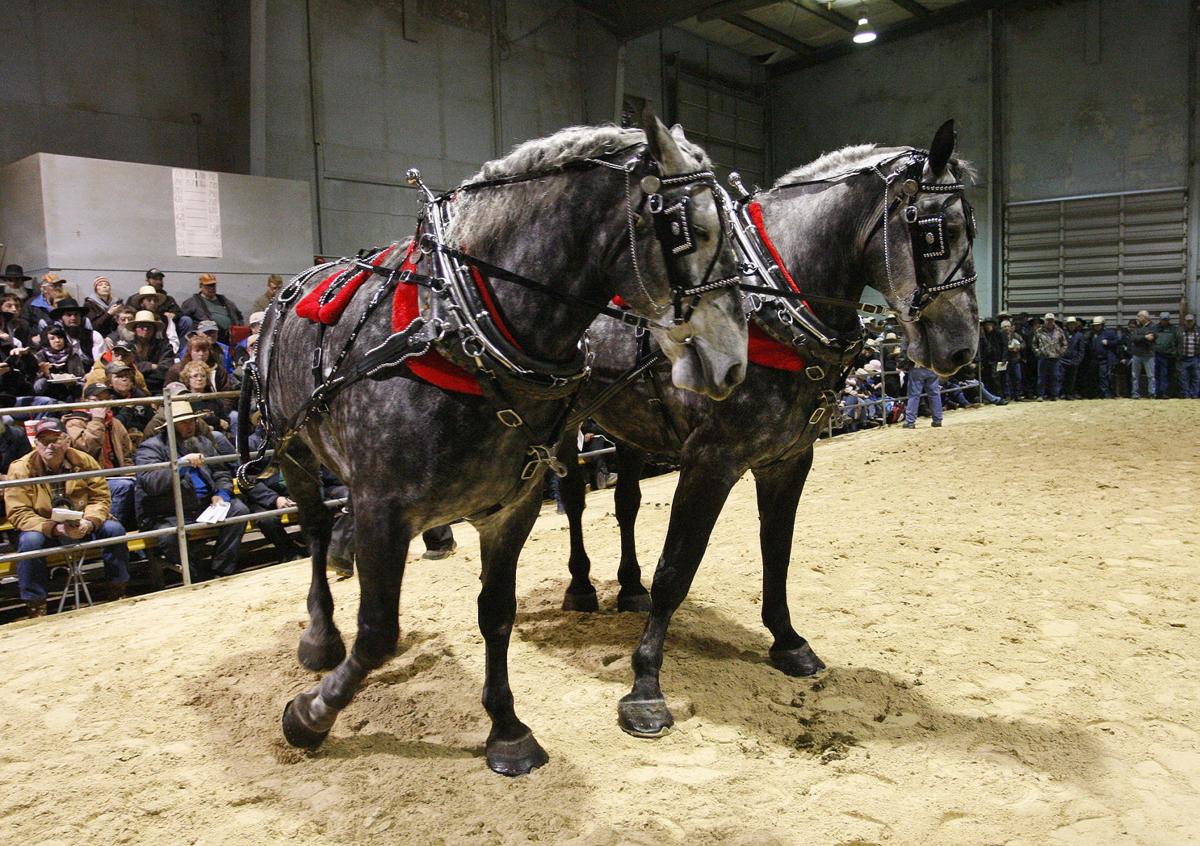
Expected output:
(921, 380)
(1189, 376)
(1104, 371)
(1014, 385)
(1049, 377)
(121, 489)
(1141, 364)
(988, 396)
(1162, 374)
(34, 576)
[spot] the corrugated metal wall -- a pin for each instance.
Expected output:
(1107, 255)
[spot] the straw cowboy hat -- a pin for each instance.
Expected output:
(181, 410)
(144, 318)
(151, 291)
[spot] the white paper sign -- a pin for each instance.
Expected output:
(197, 213)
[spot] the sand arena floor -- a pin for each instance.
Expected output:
(1008, 608)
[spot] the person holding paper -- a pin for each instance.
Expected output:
(31, 511)
(203, 485)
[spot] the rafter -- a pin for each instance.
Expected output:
(770, 34)
(912, 7)
(730, 7)
(827, 15)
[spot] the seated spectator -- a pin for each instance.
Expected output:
(60, 367)
(203, 485)
(241, 353)
(202, 349)
(29, 508)
(274, 283)
(120, 382)
(99, 433)
(13, 329)
(152, 354)
(199, 378)
(209, 305)
(18, 372)
(122, 353)
(36, 311)
(102, 307)
(169, 309)
(124, 328)
(88, 342)
(13, 281)
(208, 329)
(151, 299)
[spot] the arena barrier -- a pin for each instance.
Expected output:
(75, 553)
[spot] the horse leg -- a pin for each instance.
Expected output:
(627, 499)
(581, 594)
(512, 749)
(779, 487)
(382, 547)
(699, 497)
(321, 646)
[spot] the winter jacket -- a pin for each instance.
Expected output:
(154, 363)
(1166, 341)
(1077, 347)
(992, 349)
(1018, 353)
(28, 507)
(1139, 343)
(1106, 343)
(1049, 343)
(196, 307)
(153, 497)
(88, 436)
(13, 444)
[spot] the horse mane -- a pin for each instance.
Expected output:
(569, 144)
(856, 157)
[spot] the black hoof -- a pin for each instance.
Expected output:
(638, 603)
(297, 733)
(586, 602)
(516, 757)
(644, 717)
(801, 661)
(318, 655)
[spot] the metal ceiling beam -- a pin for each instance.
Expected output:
(731, 7)
(912, 7)
(827, 15)
(912, 26)
(772, 35)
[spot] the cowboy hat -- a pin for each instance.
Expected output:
(151, 291)
(64, 305)
(15, 273)
(181, 410)
(143, 318)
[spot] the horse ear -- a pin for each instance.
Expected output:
(677, 134)
(663, 145)
(941, 148)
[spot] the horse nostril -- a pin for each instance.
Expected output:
(961, 357)
(735, 374)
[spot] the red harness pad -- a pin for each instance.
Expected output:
(312, 308)
(764, 350)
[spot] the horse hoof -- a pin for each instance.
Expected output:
(801, 661)
(296, 733)
(638, 603)
(586, 602)
(644, 717)
(318, 655)
(516, 757)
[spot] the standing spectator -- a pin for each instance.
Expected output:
(1141, 349)
(14, 280)
(12, 326)
(1077, 341)
(1189, 358)
(102, 307)
(36, 311)
(209, 305)
(29, 509)
(1014, 386)
(274, 283)
(60, 367)
(922, 380)
(133, 417)
(1106, 352)
(169, 310)
(1049, 344)
(152, 354)
(993, 352)
(87, 342)
(1166, 343)
(1027, 326)
(202, 484)
(99, 433)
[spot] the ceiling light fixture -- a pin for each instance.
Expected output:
(864, 33)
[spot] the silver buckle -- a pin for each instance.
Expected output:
(816, 416)
(510, 418)
(815, 372)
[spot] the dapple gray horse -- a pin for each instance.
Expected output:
(416, 456)
(825, 222)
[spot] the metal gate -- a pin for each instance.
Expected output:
(1109, 255)
(725, 117)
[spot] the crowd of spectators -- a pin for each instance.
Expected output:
(56, 349)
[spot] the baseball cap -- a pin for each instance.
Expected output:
(207, 326)
(115, 367)
(96, 390)
(48, 424)
(1097, 320)
(1164, 315)
(1189, 317)
(1048, 316)
(154, 273)
(257, 317)
(207, 279)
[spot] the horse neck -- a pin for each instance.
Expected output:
(818, 231)
(555, 232)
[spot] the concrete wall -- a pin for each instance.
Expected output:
(1093, 100)
(121, 80)
(78, 213)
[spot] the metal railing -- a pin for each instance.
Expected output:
(182, 529)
